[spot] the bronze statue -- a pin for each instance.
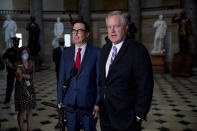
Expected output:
(184, 32)
(33, 42)
(71, 19)
(132, 29)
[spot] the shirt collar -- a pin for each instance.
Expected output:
(118, 46)
(83, 47)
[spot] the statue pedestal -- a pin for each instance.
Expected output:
(158, 62)
(181, 65)
(37, 61)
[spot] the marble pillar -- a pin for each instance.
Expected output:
(134, 10)
(84, 13)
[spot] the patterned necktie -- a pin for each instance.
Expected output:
(78, 59)
(114, 53)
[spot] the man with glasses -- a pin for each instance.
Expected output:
(82, 95)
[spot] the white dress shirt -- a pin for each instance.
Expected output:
(118, 46)
(83, 48)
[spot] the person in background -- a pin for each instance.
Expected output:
(126, 79)
(24, 96)
(82, 94)
(10, 58)
(57, 52)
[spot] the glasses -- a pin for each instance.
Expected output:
(78, 31)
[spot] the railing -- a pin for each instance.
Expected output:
(51, 12)
(27, 12)
(162, 8)
(13, 12)
(92, 11)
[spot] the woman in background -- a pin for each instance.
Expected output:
(24, 89)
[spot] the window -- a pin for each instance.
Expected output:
(19, 35)
(67, 39)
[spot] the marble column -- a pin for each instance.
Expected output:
(190, 7)
(134, 10)
(84, 13)
(36, 11)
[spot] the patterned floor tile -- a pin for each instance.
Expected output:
(174, 105)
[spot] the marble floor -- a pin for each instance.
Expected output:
(174, 105)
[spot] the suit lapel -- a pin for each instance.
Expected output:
(73, 56)
(85, 59)
(121, 51)
(108, 49)
(119, 55)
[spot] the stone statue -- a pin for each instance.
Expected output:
(10, 30)
(58, 32)
(33, 42)
(161, 27)
(184, 32)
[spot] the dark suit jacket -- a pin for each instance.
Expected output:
(128, 87)
(11, 56)
(84, 86)
(57, 52)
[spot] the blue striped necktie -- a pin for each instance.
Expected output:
(114, 53)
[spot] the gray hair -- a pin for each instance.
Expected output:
(112, 13)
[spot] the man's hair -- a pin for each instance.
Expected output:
(61, 39)
(122, 16)
(87, 28)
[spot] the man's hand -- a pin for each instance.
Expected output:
(96, 111)
(18, 74)
(60, 105)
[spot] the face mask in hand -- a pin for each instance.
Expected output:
(25, 56)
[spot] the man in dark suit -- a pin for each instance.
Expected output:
(82, 95)
(126, 79)
(10, 59)
(57, 52)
